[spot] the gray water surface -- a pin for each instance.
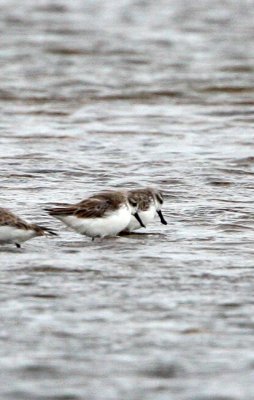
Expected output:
(98, 95)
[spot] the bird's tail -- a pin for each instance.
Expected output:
(43, 230)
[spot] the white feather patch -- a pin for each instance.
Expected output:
(110, 225)
(11, 234)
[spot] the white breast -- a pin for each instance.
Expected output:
(146, 217)
(109, 225)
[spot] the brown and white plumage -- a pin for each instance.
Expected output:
(149, 202)
(15, 230)
(100, 215)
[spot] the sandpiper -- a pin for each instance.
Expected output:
(149, 202)
(103, 214)
(15, 230)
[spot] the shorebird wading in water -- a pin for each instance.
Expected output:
(103, 214)
(149, 202)
(15, 230)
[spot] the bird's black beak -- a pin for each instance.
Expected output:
(139, 219)
(163, 221)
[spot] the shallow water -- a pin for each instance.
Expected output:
(98, 95)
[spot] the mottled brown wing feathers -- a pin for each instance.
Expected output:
(90, 208)
(10, 219)
(93, 208)
(70, 210)
(112, 200)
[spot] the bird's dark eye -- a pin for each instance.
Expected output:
(133, 203)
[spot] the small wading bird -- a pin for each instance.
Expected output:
(149, 202)
(16, 231)
(103, 214)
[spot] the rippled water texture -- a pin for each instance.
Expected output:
(101, 94)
